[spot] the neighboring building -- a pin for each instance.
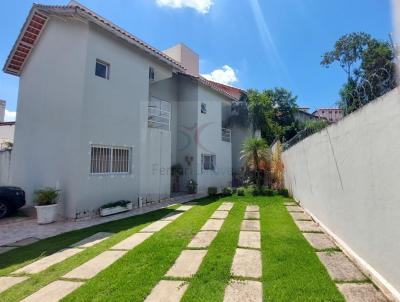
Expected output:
(6, 134)
(303, 115)
(103, 116)
(2, 110)
(331, 114)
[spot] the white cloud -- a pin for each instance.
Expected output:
(202, 6)
(224, 75)
(10, 116)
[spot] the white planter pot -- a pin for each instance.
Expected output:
(46, 214)
(115, 210)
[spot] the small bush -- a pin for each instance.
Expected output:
(268, 192)
(212, 191)
(46, 196)
(120, 203)
(227, 191)
(240, 192)
(283, 192)
(234, 190)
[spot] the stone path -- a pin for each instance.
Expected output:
(351, 282)
(189, 261)
(247, 262)
(57, 290)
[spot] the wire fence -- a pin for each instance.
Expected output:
(299, 137)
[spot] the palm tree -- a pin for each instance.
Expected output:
(256, 154)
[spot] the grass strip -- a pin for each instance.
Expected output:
(214, 273)
(291, 268)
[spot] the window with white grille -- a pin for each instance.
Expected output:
(110, 160)
(159, 114)
(208, 162)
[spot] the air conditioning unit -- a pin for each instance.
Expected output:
(151, 74)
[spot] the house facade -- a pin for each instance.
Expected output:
(103, 116)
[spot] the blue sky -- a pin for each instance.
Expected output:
(248, 43)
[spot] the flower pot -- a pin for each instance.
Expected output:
(46, 214)
(115, 210)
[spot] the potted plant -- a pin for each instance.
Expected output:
(176, 172)
(191, 186)
(115, 207)
(46, 209)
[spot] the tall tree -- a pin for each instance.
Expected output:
(368, 64)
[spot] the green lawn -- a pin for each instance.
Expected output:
(291, 269)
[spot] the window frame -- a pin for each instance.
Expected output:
(107, 65)
(111, 160)
(213, 160)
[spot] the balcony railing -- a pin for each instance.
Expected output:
(226, 135)
(160, 119)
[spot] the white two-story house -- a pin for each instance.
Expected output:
(103, 116)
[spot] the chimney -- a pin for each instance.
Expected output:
(187, 57)
(2, 110)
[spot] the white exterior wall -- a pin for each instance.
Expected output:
(46, 148)
(347, 176)
(210, 141)
(5, 164)
(6, 133)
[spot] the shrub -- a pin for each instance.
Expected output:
(46, 196)
(227, 191)
(240, 191)
(191, 186)
(120, 203)
(212, 191)
(234, 190)
(283, 192)
(268, 192)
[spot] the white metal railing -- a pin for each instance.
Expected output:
(226, 135)
(158, 118)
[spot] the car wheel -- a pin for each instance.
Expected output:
(3, 209)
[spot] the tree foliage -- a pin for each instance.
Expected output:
(368, 64)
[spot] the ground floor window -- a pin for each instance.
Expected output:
(208, 162)
(110, 160)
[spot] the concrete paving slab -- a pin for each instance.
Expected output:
(132, 241)
(155, 226)
(53, 292)
(252, 208)
(339, 267)
(4, 249)
(250, 225)
(226, 206)
(202, 239)
(294, 209)
(92, 240)
(290, 204)
(212, 225)
(220, 215)
(173, 216)
(247, 263)
(167, 291)
(300, 216)
(243, 291)
(251, 215)
(250, 240)
(308, 226)
(94, 266)
(187, 264)
(319, 241)
(45, 262)
(24, 242)
(355, 292)
(7, 282)
(184, 208)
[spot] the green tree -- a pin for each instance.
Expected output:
(256, 155)
(368, 64)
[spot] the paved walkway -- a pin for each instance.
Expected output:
(72, 280)
(26, 231)
(350, 281)
(189, 261)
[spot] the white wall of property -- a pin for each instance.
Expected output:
(6, 134)
(347, 176)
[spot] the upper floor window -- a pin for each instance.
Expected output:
(203, 108)
(102, 69)
(159, 114)
(110, 160)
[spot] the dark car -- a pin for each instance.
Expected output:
(11, 199)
